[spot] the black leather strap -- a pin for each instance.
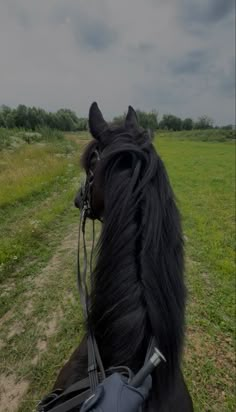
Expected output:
(94, 358)
(75, 402)
(77, 393)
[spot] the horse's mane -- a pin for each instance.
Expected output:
(139, 290)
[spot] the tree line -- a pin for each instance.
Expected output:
(33, 118)
(171, 122)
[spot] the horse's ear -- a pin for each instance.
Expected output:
(97, 124)
(131, 121)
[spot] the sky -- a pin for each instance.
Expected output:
(173, 56)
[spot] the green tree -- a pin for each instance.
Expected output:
(10, 120)
(21, 116)
(2, 120)
(227, 127)
(204, 122)
(41, 117)
(148, 120)
(82, 124)
(5, 110)
(119, 120)
(170, 122)
(32, 118)
(187, 124)
(64, 121)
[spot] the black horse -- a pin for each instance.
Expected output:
(138, 288)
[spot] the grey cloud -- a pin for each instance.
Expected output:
(193, 62)
(67, 53)
(203, 65)
(23, 18)
(226, 80)
(163, 99)
(219, 9)
(19, 12)
(27, 14)
(93, 35)
(227, 86)
(195, 15)
(145, 47)
(90, 30)
(88, 25)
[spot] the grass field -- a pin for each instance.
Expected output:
(40, 313)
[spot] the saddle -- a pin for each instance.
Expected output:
(120, 390)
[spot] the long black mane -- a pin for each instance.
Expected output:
(138, 278)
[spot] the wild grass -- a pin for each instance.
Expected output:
(42, 320)
(27, 171)
(37, 186)
(210, 135)
(203, 176)
(13, 138)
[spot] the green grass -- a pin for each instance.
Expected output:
(42, 321)
(211, 135)
(37, 218)
(38, 185)
(203, 175)
(11, 139)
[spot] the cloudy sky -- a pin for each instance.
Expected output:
(175, 56)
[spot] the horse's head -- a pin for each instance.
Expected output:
(111, 143)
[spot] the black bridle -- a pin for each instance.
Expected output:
(95, 365)
(86, 191)
(74, 396)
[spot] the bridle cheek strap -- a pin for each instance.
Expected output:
(94, 358)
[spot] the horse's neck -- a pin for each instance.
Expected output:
(139, 290)
(119, 316)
